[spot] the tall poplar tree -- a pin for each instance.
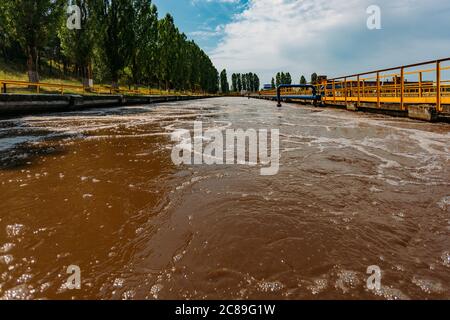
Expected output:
(116, 34)
(224, 86)
(302, 80)
(31, 23)
(78, 44)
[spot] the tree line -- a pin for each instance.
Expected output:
(285, 78)
(245, 82)
(119, 41)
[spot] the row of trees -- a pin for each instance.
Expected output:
(314, 79)
(281, 78)
(285, 78)
(119, 40)
(245, 82)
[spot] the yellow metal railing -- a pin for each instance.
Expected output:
(410, 84)
(286, 91)
(420, 83)
(61, 88)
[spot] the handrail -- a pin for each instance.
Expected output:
(84, 89)
(313, 97)
(402, 87)
(394, 68)
(380, 88)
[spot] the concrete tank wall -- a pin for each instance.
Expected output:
(22, 104)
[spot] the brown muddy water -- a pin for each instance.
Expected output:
(98, 189)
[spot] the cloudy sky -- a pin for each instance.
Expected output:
(304, 36)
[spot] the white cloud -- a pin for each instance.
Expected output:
(331, 37)
(208, 32)
(218, 1)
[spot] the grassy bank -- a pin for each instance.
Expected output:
(17, 72)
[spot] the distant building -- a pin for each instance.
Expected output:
(267, 87)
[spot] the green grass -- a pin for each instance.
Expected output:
(18, 72)
(12, 72)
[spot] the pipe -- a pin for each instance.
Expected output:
(314, 95)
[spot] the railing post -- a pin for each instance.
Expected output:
(334, 91)
(395, 87)
(359, 93)
(351, 89)
(363, 88)
(279, 96)
(420, 84)
(345, 90)
(378, 90)
(438, 86)
(402, 89)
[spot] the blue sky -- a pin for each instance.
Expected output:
(202, 20)
(303, 36)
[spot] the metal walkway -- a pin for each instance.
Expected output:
(426, 83)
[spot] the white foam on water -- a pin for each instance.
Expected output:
(445, 258)
(270, 286)
(11, 142)
(6, 247)
(434, 152)
(390, 293)
(428, 285)
(14, 230)
(444, 204)
(20, 292)
(318, 286)
(6, 259)
(347, 280)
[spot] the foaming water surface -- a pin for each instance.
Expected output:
(98, 189)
